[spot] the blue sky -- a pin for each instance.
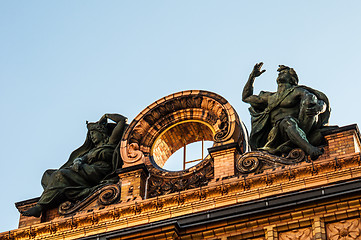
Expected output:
(65, 62)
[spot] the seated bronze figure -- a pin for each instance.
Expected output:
(90, 166)
(292, 117)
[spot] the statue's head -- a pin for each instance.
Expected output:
(287, 74)
(98, 132)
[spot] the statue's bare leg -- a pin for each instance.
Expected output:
(33, 212)
(298, 137)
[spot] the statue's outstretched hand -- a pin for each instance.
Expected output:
(256, 72)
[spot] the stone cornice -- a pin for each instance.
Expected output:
(217, 194)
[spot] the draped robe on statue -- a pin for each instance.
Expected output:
(265, 136)
(98, 168)
(76, 185)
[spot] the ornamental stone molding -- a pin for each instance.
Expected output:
(172, 122)
(177, 119)
(297, 234)
(344, 230)
(231, 193)
(292, 185)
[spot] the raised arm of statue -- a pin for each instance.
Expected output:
(247, 94)
(90, 166)
(120, 121)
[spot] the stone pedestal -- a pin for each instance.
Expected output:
(224, 160)
(133, 181)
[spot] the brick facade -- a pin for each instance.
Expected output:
(318, 199)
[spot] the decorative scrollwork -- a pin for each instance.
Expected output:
(197, 105)
(65, 207)
(296, 155)
(218, 137)
(106, 195)
(223, 127)
(133, 154)
(247, 164)
(109, 194)
(252, 161)
(180, 181)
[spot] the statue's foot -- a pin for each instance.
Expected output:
(315, 152)
(33, 212)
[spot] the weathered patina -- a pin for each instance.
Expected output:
(90, 166)
(294, 116)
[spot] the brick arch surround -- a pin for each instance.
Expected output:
(180, 117)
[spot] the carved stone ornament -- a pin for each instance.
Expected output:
(256, 161)
(195, 105)
(172, 122)
(133, 154)
(344, 230)
(195, 177)
(105, 195)
(297, 234)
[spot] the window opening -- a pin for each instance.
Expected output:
(188, 156)
(185, 162)
(182, 145)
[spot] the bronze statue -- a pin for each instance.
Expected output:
(292, 117)
(90, 166)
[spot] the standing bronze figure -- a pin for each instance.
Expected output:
(90, 166)
(292, 117)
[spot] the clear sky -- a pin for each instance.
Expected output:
(65, 62)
